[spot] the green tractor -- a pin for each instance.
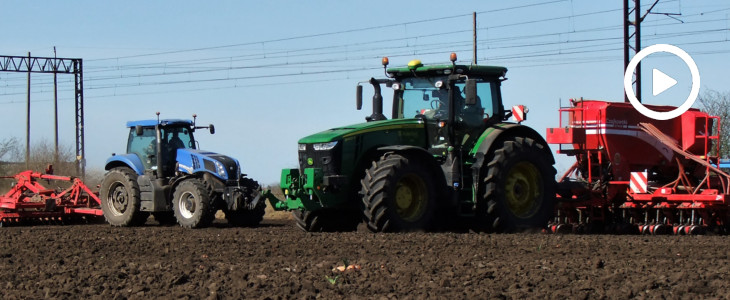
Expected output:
(445, 159)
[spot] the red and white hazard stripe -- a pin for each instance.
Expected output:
(519, 113)
(638, 183)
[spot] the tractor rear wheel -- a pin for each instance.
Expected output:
(519, 188)
(398, 195)
(327, 220)
(120, 201)
(192, 205)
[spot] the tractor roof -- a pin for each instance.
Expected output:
(474, 70)
(165, 122)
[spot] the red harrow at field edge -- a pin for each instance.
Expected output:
(29, 201)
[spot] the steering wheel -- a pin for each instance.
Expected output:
(436, 104)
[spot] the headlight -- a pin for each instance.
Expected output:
(302, 147)
(221, 170)
(324, 146)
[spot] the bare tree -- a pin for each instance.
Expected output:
(718, 104)
(42, 155)
(8, 148)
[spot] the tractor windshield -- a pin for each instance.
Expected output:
(420, 96)
(177, 137)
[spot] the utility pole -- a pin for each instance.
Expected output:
(474, 29)
(636, 35)
(29, 64)
(27, 119)
(55, 108)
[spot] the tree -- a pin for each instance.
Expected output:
(718, 104)
(8, 149)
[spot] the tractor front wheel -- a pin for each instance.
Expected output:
(120, 201)
(519, 188)
(398, 194)
(192, 205)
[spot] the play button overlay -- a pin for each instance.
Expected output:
(661, 82)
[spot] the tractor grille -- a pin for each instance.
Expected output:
(230, 165)
(329, 161)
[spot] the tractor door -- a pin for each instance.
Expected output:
(471, 119)
(425, 99)
(144, 146)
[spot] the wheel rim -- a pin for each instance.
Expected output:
(523, 187)
(186, 204)
(410, 197)
(118, 199)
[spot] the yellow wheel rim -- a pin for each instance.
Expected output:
(522, 190)
(410, 197)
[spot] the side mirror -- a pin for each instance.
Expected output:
(359, 97)
(471, 92)
(138, 130)
(212, 128)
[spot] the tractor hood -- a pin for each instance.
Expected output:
(339, 133)
(192, 161)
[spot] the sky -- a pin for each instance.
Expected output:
(267, 73)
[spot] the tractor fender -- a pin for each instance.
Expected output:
(411, 150)
(131, 161)
(421, 153)
(495, 134)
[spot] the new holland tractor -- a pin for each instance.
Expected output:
(164, 173)
(445, 157)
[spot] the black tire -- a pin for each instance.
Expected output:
(120, 201)
(192, 205)
(309, 221)
(327, 220)
(165, 218)
(398, 195)
(519, 189)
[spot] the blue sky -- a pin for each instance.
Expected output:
(267, 73)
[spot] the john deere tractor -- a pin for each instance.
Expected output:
(163, 173)
(445, 157)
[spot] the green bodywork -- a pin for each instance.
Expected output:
(356, 143)
(312, 187)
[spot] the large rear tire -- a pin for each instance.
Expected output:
(398, 195)
(519, 188)
(327, 220)
(192, 205)
(120, 201)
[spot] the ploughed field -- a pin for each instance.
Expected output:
(278, 261)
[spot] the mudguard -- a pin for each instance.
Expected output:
(129, 160)
(503, 131)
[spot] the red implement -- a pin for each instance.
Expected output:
(29, 200)
(633, 170)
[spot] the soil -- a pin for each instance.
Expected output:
(278, 261)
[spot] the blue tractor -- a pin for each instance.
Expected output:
(164, 174)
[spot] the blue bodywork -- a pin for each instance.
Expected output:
(189, 161)
(129, 160)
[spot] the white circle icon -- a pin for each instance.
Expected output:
(628, 80)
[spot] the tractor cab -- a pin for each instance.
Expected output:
(457, 102)
(173, 135)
